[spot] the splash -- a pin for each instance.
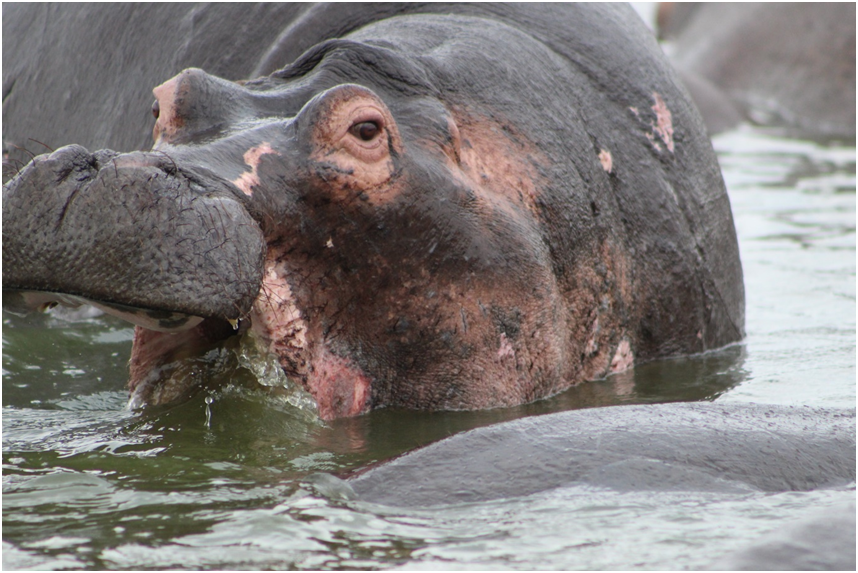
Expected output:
(254, 357)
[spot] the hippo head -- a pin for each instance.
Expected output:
(378, 241)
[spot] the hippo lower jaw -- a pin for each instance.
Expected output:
(170, 352)
(168, 365)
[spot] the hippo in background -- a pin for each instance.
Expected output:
(80, 75)
(435, 211)
(788, 65)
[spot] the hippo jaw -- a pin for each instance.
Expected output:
(166, 366)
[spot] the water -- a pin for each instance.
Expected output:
(230, 478)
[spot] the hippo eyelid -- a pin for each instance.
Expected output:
(367, 114)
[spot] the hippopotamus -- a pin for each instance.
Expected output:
(707, 448)
(789, 65)
(729, 449)
(426, 207)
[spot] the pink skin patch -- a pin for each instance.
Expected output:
(251, 157)
(663, 127)
(167, 124)
(340, 389)
(624, 358)
(275, 318)
(606, 160)
(592, 346)
(506, 348)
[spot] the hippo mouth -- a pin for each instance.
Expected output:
(168, 366)
(170, 249)
(269, 343)
(172, 353)
(175, 355)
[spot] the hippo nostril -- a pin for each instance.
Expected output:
(156, 109)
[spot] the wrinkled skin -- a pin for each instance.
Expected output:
(436, 212)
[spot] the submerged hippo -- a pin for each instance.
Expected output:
(739, 451)
(469, 209)
(727, 448)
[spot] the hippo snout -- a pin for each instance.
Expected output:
(130, 230)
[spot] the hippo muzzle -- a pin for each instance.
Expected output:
(170, 249)
(132, 231)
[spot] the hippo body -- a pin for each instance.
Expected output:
(727, 451)
(468, 209)
(726, 448)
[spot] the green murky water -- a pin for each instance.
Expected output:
(224, 482)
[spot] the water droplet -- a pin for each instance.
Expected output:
(209, 401)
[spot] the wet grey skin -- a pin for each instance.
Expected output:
(131, 232)
(722, 449)
(471, 208)
(726, 448)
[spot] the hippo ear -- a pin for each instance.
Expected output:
(350, 127)
(193, 103)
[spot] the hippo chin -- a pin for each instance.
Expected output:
(432, 211)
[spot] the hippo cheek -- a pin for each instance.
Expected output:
(338, 385)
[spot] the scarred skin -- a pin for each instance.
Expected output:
(434, 212)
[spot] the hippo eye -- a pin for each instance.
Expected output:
(365, 130)
(156, 109)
